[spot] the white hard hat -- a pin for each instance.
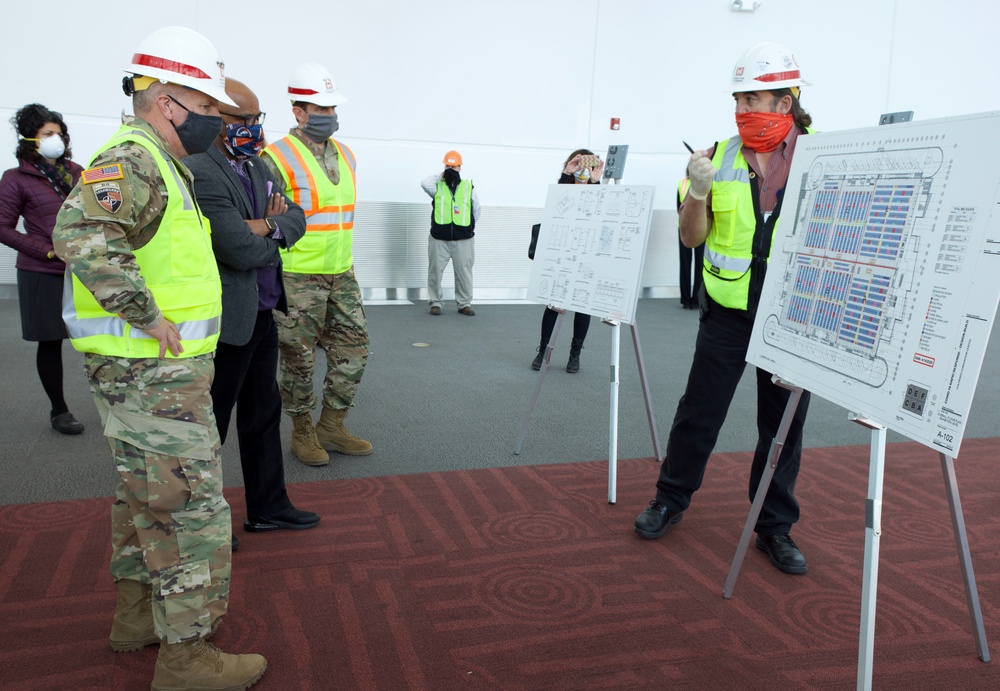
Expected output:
(179, 55)
(313, 83)
(765, 67)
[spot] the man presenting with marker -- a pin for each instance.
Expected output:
(732, 206)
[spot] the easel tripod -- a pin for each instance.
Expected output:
(873, 532)
(613, 423)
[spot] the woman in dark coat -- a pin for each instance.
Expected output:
(34, 191)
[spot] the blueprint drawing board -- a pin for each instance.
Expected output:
(884, 276)
(591, 249)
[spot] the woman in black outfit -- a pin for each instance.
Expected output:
(575, 171)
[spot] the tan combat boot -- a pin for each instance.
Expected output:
(334, 436)
(305, 445)
(132, 628)
(198, 664)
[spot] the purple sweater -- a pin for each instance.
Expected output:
(26, 193)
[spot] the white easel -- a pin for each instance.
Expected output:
(873, 533)
(615, 168)
(613, 415)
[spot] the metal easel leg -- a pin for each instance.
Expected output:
(873, 533)
(613, 424)
(641, 363)
(965, 558)
(765, 482)
(538, 382)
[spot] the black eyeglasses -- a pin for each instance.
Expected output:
(248, 120)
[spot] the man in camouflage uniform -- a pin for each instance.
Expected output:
(143, 301)
(324, 299)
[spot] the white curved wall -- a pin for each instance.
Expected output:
(515, 86)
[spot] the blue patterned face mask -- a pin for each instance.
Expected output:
(243, 141)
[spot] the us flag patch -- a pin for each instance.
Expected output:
(92, 175)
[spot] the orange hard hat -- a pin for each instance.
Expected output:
(453, 158)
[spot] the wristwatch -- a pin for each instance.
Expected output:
(271, 223)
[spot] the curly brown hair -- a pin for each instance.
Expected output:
(27, 121)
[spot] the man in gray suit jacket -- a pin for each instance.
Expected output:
(249, 225)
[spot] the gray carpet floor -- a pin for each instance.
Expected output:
(440, 393)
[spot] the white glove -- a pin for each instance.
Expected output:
(701, 172)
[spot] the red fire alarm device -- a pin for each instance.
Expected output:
(616, 123)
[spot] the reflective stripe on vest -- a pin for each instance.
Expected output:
(178, 267)
(682, 188)
(728, 247)
(457, 209)
(327, 207)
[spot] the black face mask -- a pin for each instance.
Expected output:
(451, 178)
(198, 131)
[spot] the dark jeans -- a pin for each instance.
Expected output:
(719, 361)
(246, 378)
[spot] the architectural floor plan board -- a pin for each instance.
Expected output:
(591, 249)
(884, 275)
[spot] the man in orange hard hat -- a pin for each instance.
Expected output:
(455, 210)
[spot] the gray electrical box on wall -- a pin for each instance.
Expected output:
(614, 163)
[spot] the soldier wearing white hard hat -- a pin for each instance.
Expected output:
(324, 299)
(143, 303)
(732, 205)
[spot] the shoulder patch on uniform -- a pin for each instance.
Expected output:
(101, 173)
(109, 196)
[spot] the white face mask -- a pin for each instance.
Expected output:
(52, 147)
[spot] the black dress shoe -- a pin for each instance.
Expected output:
(783, 552)
(65, 423)
(655, 520)
(289, 519)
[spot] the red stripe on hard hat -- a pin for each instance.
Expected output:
(169, 66)
(778, 76)
(301, 92)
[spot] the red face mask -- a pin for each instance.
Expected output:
(762, 132)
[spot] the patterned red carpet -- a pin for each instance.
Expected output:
(525, 578)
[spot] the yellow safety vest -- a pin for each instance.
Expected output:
(733, 267)
(179, 269)
(327, 246)
(457, 209)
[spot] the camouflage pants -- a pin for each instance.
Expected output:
(326, 311)
(170, 524)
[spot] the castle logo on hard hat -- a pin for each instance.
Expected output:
(109, 196)
(328, 83)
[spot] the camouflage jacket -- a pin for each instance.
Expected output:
(96, 238)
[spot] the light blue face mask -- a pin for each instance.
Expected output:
(582, 175)
(320, 127)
